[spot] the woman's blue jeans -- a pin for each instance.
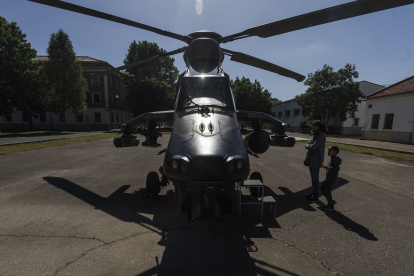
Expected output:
(315, 181)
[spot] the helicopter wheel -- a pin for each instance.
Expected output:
(153, 183)
(256, 191)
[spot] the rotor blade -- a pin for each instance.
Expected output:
(255, 62)
(114, 70)
(336, 13)
(90, 12)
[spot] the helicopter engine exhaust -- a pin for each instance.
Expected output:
(257, 141)
(131, 141)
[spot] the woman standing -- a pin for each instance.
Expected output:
(315, 156)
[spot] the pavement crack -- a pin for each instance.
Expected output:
(45, 236)
(94, 248)
(307, 254)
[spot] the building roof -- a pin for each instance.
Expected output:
(79, 58)
(275, 101)
(402, 87)
(372, 83)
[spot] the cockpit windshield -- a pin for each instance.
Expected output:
(206, 91)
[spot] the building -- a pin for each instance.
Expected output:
(290, 113)
(390, 113)
(106, 104)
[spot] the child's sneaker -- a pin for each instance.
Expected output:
(328, 207)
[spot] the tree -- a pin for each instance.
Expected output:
(331, 94)
(251, 96)
(157, 92)
(138, 80)
(17, 67)
(36, 98)
(64, 77)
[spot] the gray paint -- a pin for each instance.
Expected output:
(357, 130)
(388, 136)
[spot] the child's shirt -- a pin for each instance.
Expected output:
(332, 172)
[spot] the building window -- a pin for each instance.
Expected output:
(95, 81)
(80, 118)
(97, 117)
(8, 117)
(355, 122)
(287, 113)
(111, 99)
(117, 118)
(109, 80)
(296, 112)
(96, 97)
(370, 106)
(389, 118)
(112, 117)
(43, 117)
(60, 117)
(116, 83)
(375, 121)
(280, 114)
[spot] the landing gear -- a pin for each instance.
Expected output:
(153, 184)
(255, 192)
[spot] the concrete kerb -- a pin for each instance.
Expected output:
(353, 144)
(39, 139)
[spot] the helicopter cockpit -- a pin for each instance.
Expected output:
(207, 91)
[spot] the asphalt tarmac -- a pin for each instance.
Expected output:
(70, 211)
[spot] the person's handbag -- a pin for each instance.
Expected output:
(307, 161)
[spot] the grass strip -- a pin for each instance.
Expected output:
(4, 150)
(398, 156)
(12, 134)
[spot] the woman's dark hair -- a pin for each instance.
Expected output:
(320, 125)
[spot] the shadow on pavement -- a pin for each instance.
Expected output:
(351, 225)
(292, 201)
(199, 248)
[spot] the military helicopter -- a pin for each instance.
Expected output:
(206, 155)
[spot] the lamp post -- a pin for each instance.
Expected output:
(116, 97)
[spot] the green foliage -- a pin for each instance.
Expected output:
(304, 127)
(64, 77)
(251, 96)
(331, 94)
(150, 86)
(149, 94)
(17, 67)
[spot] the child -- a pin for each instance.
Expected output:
(332, 170)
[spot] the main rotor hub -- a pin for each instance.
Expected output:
(203, 54)
(206, 34)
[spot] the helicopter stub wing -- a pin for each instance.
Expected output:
(260, 118)
(148, 119)
(259, 140)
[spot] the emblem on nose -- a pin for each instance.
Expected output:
(210, 127)
(202, 127)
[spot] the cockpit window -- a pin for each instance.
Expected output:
(206, 91)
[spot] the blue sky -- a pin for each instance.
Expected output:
(381, 45)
